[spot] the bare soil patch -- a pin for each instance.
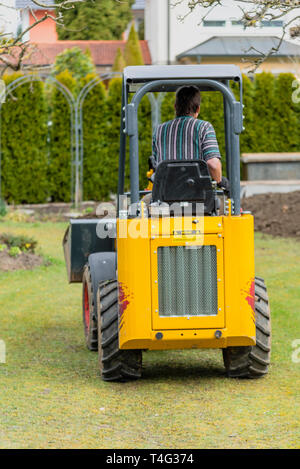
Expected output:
(25, 260)
(55, 212)
(275, 214)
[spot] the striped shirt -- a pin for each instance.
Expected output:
(185, 138)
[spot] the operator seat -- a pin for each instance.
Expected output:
(184, 181)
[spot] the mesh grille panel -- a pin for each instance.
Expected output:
(187, 281)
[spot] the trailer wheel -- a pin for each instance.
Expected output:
(115, 364)
(253, 362)
(88, 311)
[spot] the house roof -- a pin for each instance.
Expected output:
(103, 52)
(138, 5)
(246, 46)
(21, 4)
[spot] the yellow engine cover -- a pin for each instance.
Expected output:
(186, 283)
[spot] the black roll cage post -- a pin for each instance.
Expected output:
(233, 126)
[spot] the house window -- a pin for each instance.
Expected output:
(237, 23)
(272, 24)
(214, 24)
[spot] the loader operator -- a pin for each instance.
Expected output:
(186, 137)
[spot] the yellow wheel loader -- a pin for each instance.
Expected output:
(176, 272)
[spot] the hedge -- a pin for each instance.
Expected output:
(24, 143)
(264, 124)
(60, 153)
(287, 126)
(95, 143)
(110, 161)
(36, 158)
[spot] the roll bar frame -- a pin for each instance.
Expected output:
(233, 126)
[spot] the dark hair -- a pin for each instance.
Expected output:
(188, 99)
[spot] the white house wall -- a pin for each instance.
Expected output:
(156, 19)
(188, 33)
(24, 18)
(8, 17)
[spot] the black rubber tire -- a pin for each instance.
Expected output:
(89, 317)
(253, 361)
(114, 364)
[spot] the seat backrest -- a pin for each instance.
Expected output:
(183, 181)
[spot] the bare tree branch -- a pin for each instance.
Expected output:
(252, 13)
(63, 4)
(258, 61)
(13, 50)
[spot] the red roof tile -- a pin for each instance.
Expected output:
(103, 52)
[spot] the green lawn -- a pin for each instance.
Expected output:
(51, 395)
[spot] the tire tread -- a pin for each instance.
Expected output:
(253, 362)
(91, 333)
(115, 364)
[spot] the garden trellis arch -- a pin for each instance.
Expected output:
(76, 122)
(79, 147)
(40, 78)
(155, 103)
